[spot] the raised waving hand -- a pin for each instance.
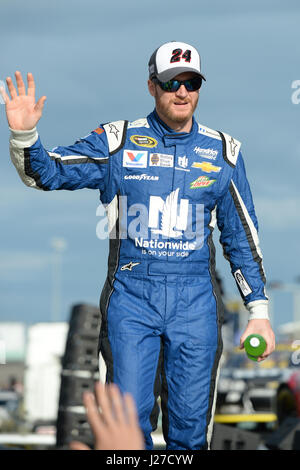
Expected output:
(22, 111)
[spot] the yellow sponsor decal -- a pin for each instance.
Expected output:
(143, 141)
(207, 167)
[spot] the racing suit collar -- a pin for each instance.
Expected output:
(165, 132)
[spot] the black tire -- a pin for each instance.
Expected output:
(81, 353)
(85, 320)
(72, 427)
(286, 406)
(72, 389)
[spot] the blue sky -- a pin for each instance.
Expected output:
(90, 60)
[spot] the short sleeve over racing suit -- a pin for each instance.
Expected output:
(161, 310)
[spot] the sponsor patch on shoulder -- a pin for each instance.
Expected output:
(142, 122)
(143, 141)
(207, 131)
(99, 130)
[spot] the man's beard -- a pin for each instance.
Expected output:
(179, 118)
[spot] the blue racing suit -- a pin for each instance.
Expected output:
(161, 311)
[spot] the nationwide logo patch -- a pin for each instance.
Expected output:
(207, 167)
(161, 159)
(135, 159)
(143, 141)
(202, 182)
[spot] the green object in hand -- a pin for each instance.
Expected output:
(255, 346)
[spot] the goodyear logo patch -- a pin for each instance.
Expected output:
(202, 182)
(143, 141)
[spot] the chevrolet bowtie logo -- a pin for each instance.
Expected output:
(207, 167)
(129, 266)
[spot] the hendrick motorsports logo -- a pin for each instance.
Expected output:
(206, 153)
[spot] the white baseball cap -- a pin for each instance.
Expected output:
(173, 58)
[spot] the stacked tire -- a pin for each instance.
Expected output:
(80, 371)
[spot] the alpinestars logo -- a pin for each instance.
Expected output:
(129, 266)
(233, 146)
(113, 130)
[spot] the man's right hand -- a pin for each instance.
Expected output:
(22, 112)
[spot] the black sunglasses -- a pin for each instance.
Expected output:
(192, 84)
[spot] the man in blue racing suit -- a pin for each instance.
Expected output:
(165, 181)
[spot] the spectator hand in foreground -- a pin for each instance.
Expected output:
(115, 426)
